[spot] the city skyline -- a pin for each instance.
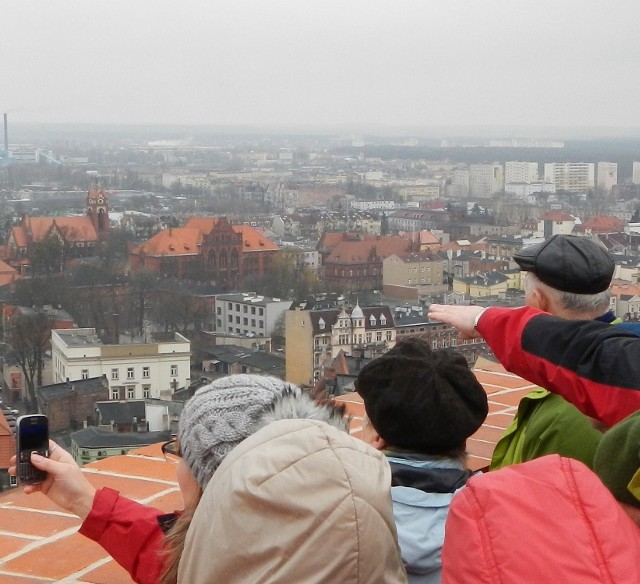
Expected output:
(362, 64)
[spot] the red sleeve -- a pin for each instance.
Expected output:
(129, 532)
(593, 365)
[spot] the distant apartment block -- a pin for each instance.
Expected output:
(520, 172)
(572, 177)
(315, 337)
(635, 178)
(607, 175)
(418, 192)
(133, 370)
(249, 314)
(369, 205)
(485, 179)
(460, 183)
(523, 190)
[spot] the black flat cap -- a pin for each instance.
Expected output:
(569, 263)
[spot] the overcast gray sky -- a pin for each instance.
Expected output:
(299, 62)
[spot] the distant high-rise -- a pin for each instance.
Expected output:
(485, 179)
(635, 179)
(520, 172)
(607, 175)
(572, 177)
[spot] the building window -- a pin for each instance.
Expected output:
(84, 374)
(245, 321)
(230, 318)
(253, 322)
(237, 308)
(389, 335)
(343, 339)
(260, 311)
(114, 374)
(146, 391)
(245, 308)
(237, 320)
(129, 372)
(253, 310)
(115, 393)
(383, 320)
(146, 372)
(230, 305)
(218, 310)
(174, 371)
(379, 336)
(261, 324)
(130, 392)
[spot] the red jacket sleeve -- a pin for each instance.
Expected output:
(593, 365)
(129, 532)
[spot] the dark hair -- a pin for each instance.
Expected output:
(422, 400)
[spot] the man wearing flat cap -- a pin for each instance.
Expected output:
(567, 276)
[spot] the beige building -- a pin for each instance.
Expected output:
(134, 370)
(485, 179)
(412, 275)
(491, 284)
(315, 337)
(520, 172)
(572, 177)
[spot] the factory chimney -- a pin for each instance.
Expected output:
(6, 134)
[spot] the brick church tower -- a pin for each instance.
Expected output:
(98, 211)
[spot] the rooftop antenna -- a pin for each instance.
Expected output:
(6, 134)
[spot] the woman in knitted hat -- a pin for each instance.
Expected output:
(216, 419)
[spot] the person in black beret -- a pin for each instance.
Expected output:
(420, 408)
(567, 276)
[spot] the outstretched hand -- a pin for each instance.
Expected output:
(460, 317)
(65, 484)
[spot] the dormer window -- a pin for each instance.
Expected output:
(321, 324)
(372, 320)
(383, 320)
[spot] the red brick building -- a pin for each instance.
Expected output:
(207, 249)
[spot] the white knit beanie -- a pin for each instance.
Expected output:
(222, 414)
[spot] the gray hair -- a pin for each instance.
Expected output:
(588, 303)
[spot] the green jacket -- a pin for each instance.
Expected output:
(546, 424)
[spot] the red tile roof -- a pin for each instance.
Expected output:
(78, 228)
(357, 252)
(172, 242)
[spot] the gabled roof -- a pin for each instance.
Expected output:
(358, 252)
(75, 229)
(253, 240)
(172, 242)
(602, 224)
(330, 318)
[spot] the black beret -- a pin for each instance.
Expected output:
(569, 263)
(422, 400)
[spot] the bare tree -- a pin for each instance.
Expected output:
(29, 337)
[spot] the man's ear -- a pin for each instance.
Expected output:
(539, 300)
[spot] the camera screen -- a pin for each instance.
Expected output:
(33, 437)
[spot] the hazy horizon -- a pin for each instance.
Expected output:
(530, 69)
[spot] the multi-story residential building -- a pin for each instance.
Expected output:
(572, 177)
(635, 177)
(369, 205)
(248, 313)
(416, 219)
(418, 192)
(520, 172)
(460, 182)
(485, 179)
(314, 337)
(524, 190)
(607, 175)
(133, 370)
(413, 274)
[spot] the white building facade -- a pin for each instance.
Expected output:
(134, 371)
(520, 172)
(485, 179)
(249, 314)
(572, 177)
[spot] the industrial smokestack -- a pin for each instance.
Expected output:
(6, 134)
